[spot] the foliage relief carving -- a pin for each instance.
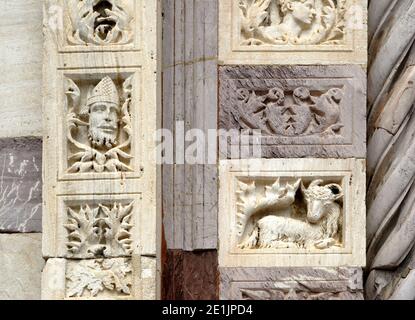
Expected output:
(91, 278)
(282, 217)
(99, 231)
(105, 121)
(294, 22)
(99, 22)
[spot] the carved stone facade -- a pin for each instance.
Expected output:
(291, 283)
(301, 111)
(277, 31)
(292, 213)
(101, 97)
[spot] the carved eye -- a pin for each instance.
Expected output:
(335, 190)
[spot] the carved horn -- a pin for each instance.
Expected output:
(315, 183)
(336, 195)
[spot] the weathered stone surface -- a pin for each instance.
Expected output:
(21, 68)
(292, 213)
(274, 32)
(21, 266)
(21, 185)
(291, 284)
(301, 111)
(190, 102)
(190, 275)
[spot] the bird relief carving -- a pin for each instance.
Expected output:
(279, 215)
(99, 127)
(296, 113)
(292, 22)
(99, 22)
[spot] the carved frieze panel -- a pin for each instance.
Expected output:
(102, 114)
(113, 278)
(291, 284)
(269, 31)
(296, 212)
(101, 25)
(300, 111)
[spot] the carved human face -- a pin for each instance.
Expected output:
(103, 124)
(303, 11)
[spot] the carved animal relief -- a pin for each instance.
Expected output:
(294, 22)
(99, 128)
(99, 231)
(289, 214)
(99, 22)
(99, 277)
(296, 113)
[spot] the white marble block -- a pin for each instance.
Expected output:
(101, 108)
(292, 213)
(292, 31)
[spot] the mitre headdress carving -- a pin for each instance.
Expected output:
(105, 92)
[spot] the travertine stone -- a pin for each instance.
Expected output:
(21, 266)
(21, 185)
(189, 102)
(291, 284)
(294, 212)
(21, 68)
(101, 108)
(113, 278)
(301, 111)
(292, 31)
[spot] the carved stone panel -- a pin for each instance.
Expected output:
(291, 284)
(114, 278)
(292, 31)
(100, 25)
(101, 100)
(296, 212)
(301, 111)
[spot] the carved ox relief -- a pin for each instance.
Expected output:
(99, 128)
(99, 22)
(296, 113)
(295, 22)
(284, 217)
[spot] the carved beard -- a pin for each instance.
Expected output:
(99, 138)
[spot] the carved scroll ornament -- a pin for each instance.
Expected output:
(283, 219)
(99, 22)
(295, 22)
(297, 114)
(104, 119)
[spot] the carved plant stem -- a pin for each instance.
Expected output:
(391, 152)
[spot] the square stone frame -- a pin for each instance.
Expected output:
(352, 142)
(352, 173)
(354, 51)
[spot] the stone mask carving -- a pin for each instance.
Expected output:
(99, 22)
(273, 22)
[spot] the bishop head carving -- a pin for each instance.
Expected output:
(102, 109)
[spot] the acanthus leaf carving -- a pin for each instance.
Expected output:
(102, 116)
(98, 276)
(99, 22)
(280, 218)
(300, 113)
(99, 231)
(292, 22)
